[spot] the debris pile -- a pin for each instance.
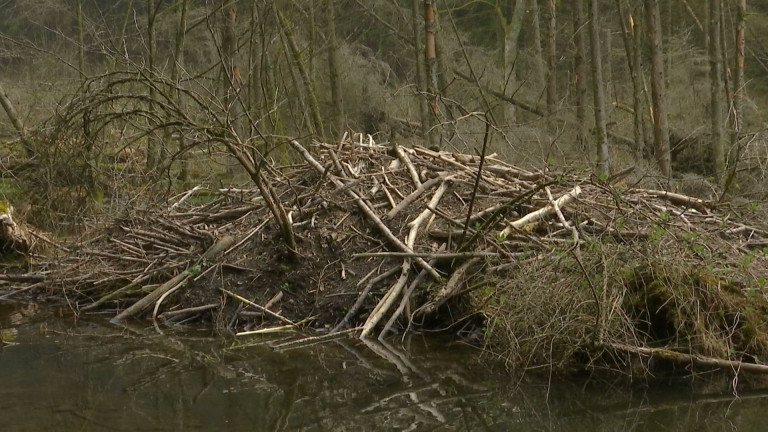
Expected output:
(390, 238)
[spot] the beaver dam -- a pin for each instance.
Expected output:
(541, 268)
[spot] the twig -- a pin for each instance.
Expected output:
(256, 306)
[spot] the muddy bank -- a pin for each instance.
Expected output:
(542, 268)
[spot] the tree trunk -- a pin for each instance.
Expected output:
(337, 103)
(738, 93)
(80, 41)
(309, 88)
(430, 61)
(628, 31)
(176, 65)
(420, 84)
(660, 127)
(16, 121)
(580, 72)
(510, 34)
(598, 90)
(538, 52)
(739, 82)
(551, 57)
(153, 152)
(716, 82)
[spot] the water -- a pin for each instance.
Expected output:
(58, 375)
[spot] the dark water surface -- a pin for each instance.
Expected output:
(56, 375)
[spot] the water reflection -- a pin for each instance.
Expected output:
(90, 376)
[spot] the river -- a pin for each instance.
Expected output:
(60, 375)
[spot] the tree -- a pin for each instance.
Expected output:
(153, 152)
(419, 66)
(598, 90)
(580, 71)
(510, 25)
(551, 57)
(337, 103)
(660, 126)
(716, 86)
(630, 35)
(430, 61)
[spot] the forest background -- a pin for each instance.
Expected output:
(109, 101)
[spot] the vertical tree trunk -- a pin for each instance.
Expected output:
(598, 89)
(551, 57)
(739, 82)
(738, 92)
(430, 61)
(580, 71)
(121, 37)
(610, 85)
(176, 65)
(337, 102)
(232, 80)
(716, 82)
(660, 127)
(309, 88)
(510, 35)
(80, 41)
(628, 30)
(538, 51)
(420, 84)
(153, 153)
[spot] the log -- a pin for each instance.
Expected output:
(542, 212)
(177, 281)
(692, 359)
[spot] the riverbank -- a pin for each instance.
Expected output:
(543, 268)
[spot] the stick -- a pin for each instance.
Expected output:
(367, 211)
(451, 287)
(427, 255)
(694, 359)
(171, 314)
(679, 199)
(386, 302)
(212, 253)
(408, 164)
(542, 212)
(314, 339)
(413, 196)
(254, 305)
(361, 298)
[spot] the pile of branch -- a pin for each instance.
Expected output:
(425, 226)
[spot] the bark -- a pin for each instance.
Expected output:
(420, 83)
(337, 103)
(598, 90)
(309, 89)
(430, 57)
(739, 81)
(176, 65)
(510, 35)
(716, 85)
(738, 92)
(580, 71)
(153, 152)
(16, 121)
(660, 126)
(538, 52)
(80, 41)
(628, 31)
(551, 57)
(232, 80)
